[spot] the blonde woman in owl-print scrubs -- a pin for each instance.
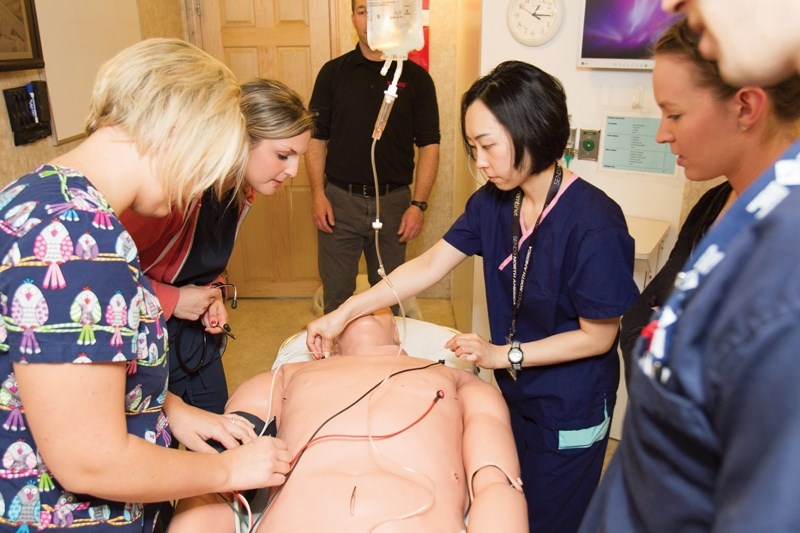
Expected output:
(85, 416)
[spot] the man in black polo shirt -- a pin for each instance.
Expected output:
(347, 96)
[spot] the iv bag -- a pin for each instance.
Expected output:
(395, 27)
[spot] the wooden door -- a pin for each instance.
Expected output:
(288, 40)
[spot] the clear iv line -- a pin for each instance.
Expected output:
(390, 95)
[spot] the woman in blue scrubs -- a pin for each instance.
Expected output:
(558, 268)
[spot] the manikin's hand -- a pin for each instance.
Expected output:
(321, 333)
(411, 223)
(473, 348)
(192, 427)
(194, 300)
(322, 213)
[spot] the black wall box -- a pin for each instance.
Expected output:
(29, 112)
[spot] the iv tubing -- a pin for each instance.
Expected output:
(380, 124)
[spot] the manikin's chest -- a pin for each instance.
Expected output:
(364, 456)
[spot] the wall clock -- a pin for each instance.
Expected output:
(534, 22)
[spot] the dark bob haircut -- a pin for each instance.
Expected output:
(531, 105)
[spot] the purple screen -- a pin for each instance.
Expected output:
(622, 29)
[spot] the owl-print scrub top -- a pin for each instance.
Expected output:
(71, 291)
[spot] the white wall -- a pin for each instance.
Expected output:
(591, 94)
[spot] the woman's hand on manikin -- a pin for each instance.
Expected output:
(192, 426)
(473, 348)
(321, 333)
(194, 301)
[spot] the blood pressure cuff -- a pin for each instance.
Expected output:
(271, 431)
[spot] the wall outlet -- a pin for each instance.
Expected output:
(588, 144)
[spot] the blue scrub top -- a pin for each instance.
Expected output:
(713, 447)
(581, 266)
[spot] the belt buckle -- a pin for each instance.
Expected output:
(364, 191)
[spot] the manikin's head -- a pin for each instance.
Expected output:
(374, 334)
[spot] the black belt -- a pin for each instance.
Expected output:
(366, 190)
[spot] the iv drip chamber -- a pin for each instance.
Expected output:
(395, 27)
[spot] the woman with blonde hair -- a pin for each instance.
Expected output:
(710, 434)
(702, 112)
(85, 444)
(184, 255)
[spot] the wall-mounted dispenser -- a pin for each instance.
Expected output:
(29, 112)
(588, 144)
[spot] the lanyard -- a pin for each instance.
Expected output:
(516, 295)
(755, 203)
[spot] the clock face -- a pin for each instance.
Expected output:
(534, 22)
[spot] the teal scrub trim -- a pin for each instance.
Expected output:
(584, 438)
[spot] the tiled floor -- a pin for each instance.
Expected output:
(261, 326)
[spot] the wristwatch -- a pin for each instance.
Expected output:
(422, 205)
(515, 356)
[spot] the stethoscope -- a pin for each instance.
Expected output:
(225, 289)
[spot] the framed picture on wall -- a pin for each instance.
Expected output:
(20, 48)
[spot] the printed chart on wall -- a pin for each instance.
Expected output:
(629, 144)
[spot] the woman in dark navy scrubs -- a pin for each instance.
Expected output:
(557, 264)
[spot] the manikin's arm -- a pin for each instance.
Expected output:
(210, 512)
(490, 461)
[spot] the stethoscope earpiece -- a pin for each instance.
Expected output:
(224, 288)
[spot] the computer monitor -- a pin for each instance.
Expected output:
(620, 34)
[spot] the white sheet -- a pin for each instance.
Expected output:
(422, 339)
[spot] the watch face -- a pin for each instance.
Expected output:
(533, 22)
(515, 355)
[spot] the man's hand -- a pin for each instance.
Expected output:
(411, 223)
(322, 213)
